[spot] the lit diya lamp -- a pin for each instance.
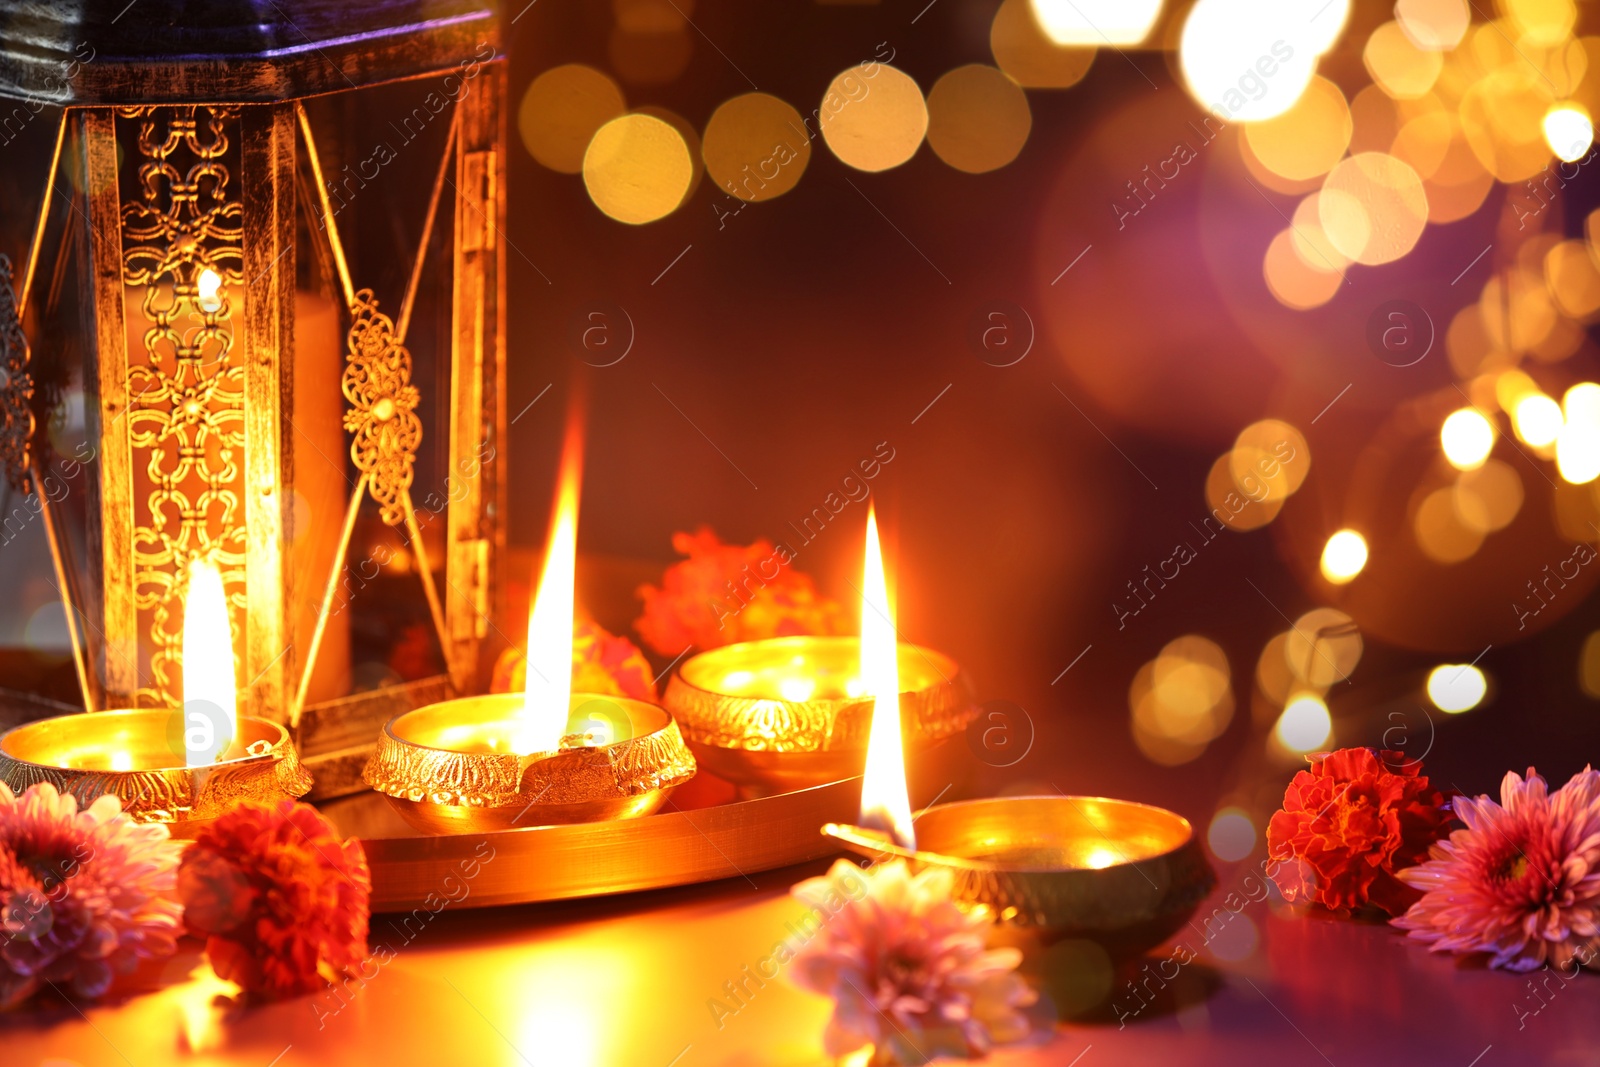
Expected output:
(1127, 876)
(544, 756)
(178, 766)
(794, 712)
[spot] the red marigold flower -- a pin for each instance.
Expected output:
(277, 896)
(722, 594)
(602, 663)
(1349, 823)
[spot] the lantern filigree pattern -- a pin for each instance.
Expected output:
(16, 386)
(382, 416)
(186, 385)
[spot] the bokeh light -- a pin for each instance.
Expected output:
(978, 118)
(1305, 724)
(1456, 687)
(1311, 243)
(1307, 139)
(1231, 835)
(650, 42)
(1232, 507)
(638, 168)
(1181, 700)
(1589, 666)
(1247, 60)
(1573, 276)
(1541, 22)
(1434, 24)
(1323, 647)
(1578, 446)
(1467, 437)
(875, 121)
(1568, 131)
(1442, 534)
(1270, 460)
(1488, 498)
(1273, 676)
(1373, 208)
(1096, 22)
(1537, 419)
(1021, 49)
(755, 147)
(562, 110)
(1344, 556)
(1397, 65)
(1294, 280)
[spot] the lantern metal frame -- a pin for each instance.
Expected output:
(215, 100)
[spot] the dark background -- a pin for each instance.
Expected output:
(810, 327)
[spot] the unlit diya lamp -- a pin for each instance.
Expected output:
(794, 712)
(1125, 875)
(544, 756)
(180, 767)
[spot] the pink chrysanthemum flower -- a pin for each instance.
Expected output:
(83, 894)
(908, 970)
(1521, 882)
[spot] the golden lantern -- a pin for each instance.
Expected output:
(252, 311)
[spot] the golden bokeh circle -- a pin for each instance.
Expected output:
(1230, 506)
(638, 168)
(873, 117)
(1397, 65)
(978, 118)
(1308, 139)
(561, 111)
(1293, 281)
(1373, 208)
(1021, 49)
(1323, 647)
(1441, 534)
(1488, 498)
(1438, 25)
(756, 147)
(1270, 460)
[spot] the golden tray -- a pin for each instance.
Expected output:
(702, 835)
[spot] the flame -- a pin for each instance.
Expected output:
(208, 671)
(549, 675)
(207, 287)
(884, 803)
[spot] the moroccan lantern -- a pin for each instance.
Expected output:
(252, 311)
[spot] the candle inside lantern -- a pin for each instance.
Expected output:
(548, 688)
(210, 712)
(885, 804)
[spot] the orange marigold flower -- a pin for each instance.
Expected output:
(722, 594)
(282, 902)
(1349, 823)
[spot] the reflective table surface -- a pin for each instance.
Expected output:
(634, 981)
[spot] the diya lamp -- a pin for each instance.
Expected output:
(1125, 875)
(789, 713)
(544, 756)
(183, 767)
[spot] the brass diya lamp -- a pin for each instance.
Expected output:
(182, 767)
(537, 758)
(453, 767)
(789, 713)
(1124, 875)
